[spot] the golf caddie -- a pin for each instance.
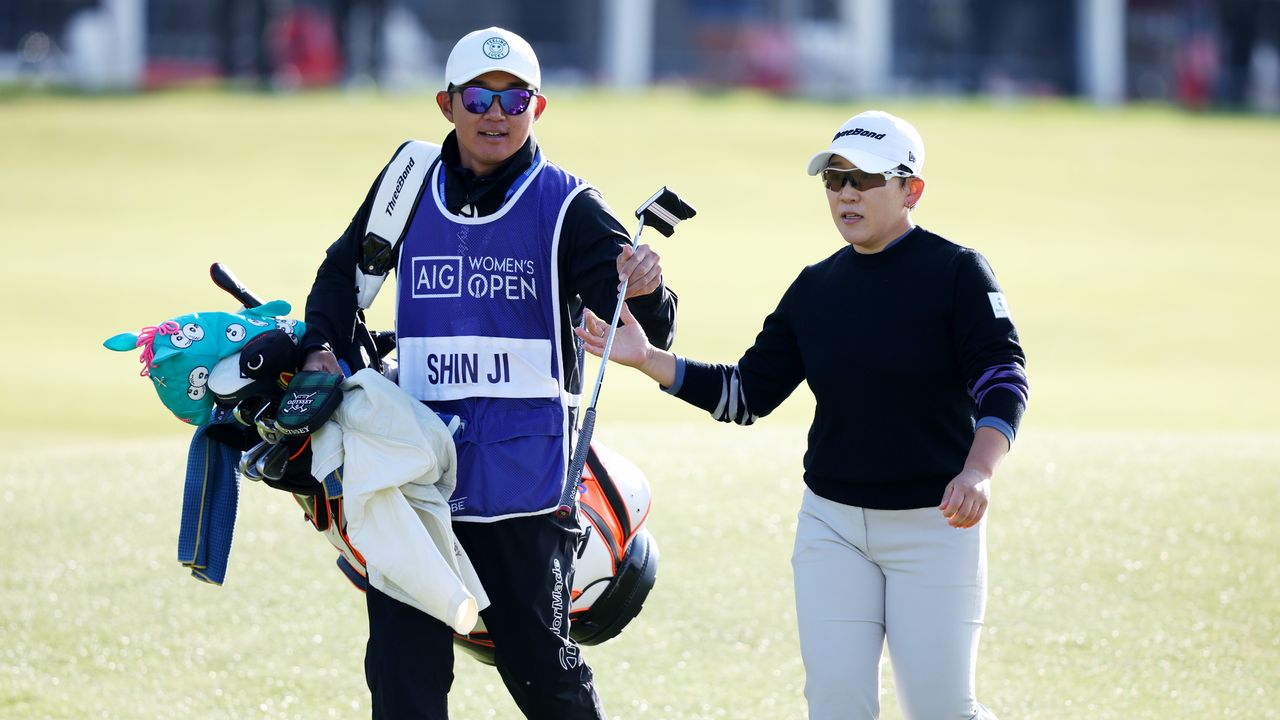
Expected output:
(496, 251)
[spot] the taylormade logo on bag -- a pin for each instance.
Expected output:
(404, 175)
(858, 131)
(557, 597)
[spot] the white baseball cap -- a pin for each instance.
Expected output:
(492, 49)
(874, 141)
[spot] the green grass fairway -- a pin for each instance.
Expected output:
(1144, 289)
(1132, 576)
(1133, 537)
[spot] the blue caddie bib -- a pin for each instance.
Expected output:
(478, 327)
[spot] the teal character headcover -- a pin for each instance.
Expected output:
(179, 354)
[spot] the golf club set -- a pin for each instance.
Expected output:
(266, 408)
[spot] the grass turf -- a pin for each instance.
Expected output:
(1132, 551)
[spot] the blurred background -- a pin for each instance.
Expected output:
(1196, 53)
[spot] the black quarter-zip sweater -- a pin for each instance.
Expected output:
(892, 344)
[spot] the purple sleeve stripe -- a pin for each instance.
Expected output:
(1000, 371)
(1019, 390)
(986, 375)
(1014, 378)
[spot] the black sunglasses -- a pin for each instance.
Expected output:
(836, 178)
(478, 100)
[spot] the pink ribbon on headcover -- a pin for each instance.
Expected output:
(147, 339)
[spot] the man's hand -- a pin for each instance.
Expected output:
(322, 360)
(642, 267)
(964, 502)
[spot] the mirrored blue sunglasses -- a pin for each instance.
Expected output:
(478, 100)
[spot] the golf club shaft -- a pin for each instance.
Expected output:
(608, 345)
(613, 326)
(568, 497)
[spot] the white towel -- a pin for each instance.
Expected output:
(399, 469)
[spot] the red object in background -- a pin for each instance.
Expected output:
(305, 48)
(770, 58)
(1195, 72)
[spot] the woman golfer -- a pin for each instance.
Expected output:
(907, 344)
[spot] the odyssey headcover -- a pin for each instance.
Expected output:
(309, 402)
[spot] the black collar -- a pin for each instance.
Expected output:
(466, 193)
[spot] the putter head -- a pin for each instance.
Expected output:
(664, 211)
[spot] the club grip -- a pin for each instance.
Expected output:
(569, 498)
(225, 279)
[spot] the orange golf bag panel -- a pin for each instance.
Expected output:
(617, 556)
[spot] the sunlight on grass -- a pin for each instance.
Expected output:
(1131, 577)
(1132, 542)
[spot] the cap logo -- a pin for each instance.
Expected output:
(496, 48)
(911, 157)
(858, 131)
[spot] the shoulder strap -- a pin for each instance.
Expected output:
(394, 202)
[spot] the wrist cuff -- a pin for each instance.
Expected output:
(679, 381)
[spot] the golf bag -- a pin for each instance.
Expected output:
(617, 561)
(617, 556)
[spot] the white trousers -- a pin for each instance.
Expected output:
(863, 576)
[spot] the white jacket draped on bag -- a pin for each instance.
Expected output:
(399, 467)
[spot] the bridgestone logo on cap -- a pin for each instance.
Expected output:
(858, 131)
(496, 48)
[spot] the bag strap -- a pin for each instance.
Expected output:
(394, 202)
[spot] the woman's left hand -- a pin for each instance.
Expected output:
(630, 346)
(964, 502)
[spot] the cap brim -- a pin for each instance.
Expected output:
(864, 161)
(225, 381)
(495, 68)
